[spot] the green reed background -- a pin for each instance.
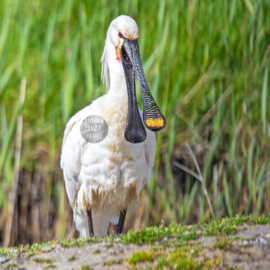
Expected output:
(206, 63)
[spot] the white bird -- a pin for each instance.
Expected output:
(104, 179)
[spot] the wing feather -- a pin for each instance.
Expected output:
(71, 155)
(73, 149)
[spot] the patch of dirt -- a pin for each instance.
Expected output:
(248, 249)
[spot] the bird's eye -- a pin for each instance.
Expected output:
(120, 34)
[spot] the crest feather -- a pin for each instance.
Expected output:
(105, 77)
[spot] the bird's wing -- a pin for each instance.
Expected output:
(72, 148)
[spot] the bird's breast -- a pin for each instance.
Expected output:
(113, 171)
(114, 111)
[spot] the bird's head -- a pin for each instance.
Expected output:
(123, 34)
(123, 26)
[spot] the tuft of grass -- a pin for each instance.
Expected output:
(29, 255)
(30, 250)
(97, 251)
(222, 226)
(42, 260)
(221, 243)
(225, 226)
(50, 266)
(11, 266)
(78, 242)
(109, 262)
(177, 257)
(144, 256)
(86, 267)
(72, 259)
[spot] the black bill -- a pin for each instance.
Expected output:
(152, 117)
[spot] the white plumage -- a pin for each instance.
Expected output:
(107, 176)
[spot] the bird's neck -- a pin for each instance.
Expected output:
(115, 108)
(118, 88)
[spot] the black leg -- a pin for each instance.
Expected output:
(90, 223)
(121, 222)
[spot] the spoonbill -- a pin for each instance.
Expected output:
(104, 179)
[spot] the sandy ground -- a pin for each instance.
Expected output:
(250, 254)
(251, 251)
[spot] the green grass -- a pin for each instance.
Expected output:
(206, 63)
(144, 256)
(85, 267)
(149, 235)
(42, 260)
(11, 266)
(97, 251)
(72, 258)
(50, 266)
(178, 257)
(221, 243)
(109, 262)
(225, 226)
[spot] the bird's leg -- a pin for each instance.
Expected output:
(121, 222)
(90, 223)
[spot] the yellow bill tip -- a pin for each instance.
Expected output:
(155, 123)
